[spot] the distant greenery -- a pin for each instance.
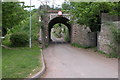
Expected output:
(60, 30)
(57, 31)
(20, 62)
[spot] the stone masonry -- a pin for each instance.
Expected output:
(106, 43)
(82, 35)
(79, 34)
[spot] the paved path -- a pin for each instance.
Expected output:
(64, 61)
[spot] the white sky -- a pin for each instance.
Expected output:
(38, 2)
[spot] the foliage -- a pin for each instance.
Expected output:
(110, 55)
(35, 26)
(19, 39)
(67, 38)
(57, 31)
(116, 35)
(44, 7)
(115, 9)
(89, 13)
(79, 46)
(66, 33)
(115, 32)
(66, 6)
(12, 14)
(60, 30)
(114, 55)
(115, 42)
(20, 62)
(101, 52)
(23, 27)
(6, 40)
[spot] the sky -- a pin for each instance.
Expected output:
(37, 3)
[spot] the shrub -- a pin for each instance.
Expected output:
(6, 40)
(19, 39)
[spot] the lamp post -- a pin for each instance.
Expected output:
(30, 44)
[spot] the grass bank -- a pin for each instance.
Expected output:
(20, 62)
(80, 46)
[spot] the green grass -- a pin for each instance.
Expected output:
(20, 62)
(114, 55)
(80, 46)
(110, 55)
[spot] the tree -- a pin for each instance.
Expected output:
(66, 6)
(89, 13)
(12, 14)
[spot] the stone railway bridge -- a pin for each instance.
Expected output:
(81, 34)
(51, 18)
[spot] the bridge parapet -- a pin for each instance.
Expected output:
(53, 15)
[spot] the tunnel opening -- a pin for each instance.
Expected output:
(60, 33)
(59, 20)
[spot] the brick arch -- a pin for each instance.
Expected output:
(56, 20)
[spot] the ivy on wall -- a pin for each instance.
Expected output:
(115, 32)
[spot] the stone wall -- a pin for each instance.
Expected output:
(82, 35)
(105, 39)
(47, 21)
(106, 43)
(106, 17)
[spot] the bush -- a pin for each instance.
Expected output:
(19, 39)
(6, 40)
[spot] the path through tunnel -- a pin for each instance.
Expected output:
(59, 20)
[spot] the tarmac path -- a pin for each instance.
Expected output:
(65, 61)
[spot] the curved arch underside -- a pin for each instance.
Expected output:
(61, 20)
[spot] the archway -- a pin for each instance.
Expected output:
(62, 20)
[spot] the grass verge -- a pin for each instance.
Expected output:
(20, 62)
(80, 46)
(109, 55)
